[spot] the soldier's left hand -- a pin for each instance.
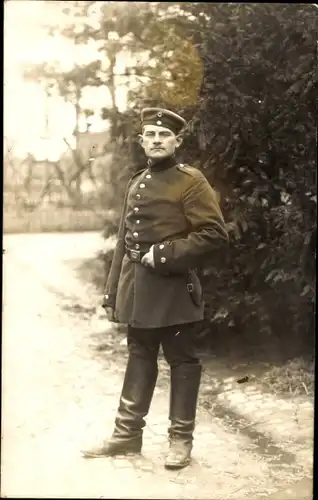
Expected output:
(148, 259)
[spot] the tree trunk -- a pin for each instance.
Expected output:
(112, 87)
(77, 148)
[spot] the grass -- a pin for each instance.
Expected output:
(294, 378)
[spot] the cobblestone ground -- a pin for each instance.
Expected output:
(62, 374)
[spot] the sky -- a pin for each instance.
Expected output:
(25, 103)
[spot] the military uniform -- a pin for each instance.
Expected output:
(175, 209)
(172, 207)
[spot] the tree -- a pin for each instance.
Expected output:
(69, 83)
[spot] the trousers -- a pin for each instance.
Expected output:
(178, 343)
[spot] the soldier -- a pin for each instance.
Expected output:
(170, 220)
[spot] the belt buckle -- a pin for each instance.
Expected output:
(135, 255)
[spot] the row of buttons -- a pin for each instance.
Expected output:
(142, 185)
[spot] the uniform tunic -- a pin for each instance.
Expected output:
(174, 208)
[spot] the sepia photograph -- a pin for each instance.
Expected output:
(159, 250)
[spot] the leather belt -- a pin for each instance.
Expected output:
(134, 255)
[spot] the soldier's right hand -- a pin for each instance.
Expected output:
(110, 314)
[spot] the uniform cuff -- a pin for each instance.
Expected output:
(162, 253)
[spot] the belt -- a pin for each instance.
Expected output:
(135, 255)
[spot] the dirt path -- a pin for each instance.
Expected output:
(62, 373)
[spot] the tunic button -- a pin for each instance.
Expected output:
(107, 296)
(136, 209)
(163, 260)
(137, 246)
(138, 196)
(161, 247)
(138, 221)
(148, 176)
(135, 235)
(142, 185)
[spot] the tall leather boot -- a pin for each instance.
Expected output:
(185, 383)
(138, 387)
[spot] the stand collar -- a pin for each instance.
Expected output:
(164, 164)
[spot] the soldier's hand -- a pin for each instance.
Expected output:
(148, 259)
(110, 314)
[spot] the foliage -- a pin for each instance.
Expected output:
(260, 153)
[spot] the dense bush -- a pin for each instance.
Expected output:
(260, 151)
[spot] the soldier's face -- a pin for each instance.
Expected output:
(158, 142)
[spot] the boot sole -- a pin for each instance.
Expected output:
(91, 455)
(87, 454)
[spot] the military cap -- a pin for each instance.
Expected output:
(162, 117)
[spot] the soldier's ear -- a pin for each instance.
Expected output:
(140, 139)
(179, 140)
